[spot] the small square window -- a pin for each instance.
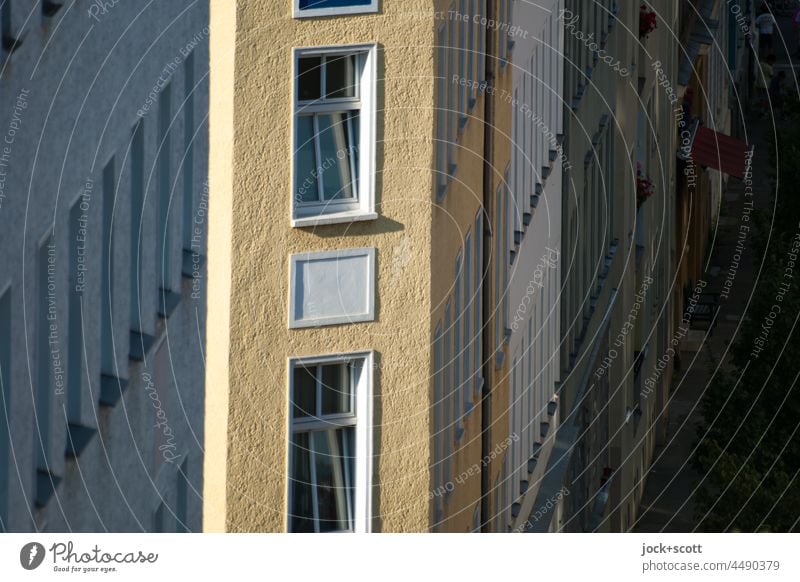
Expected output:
(312, 8)
(334, 135)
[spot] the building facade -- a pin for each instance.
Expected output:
(457, 270)
(617, 259)
(103, 206)
(405, 253)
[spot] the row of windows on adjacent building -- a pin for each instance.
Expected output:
(536, 122)
(461, 75)
(531, 405)
(457, 363)
(49, 379)
(582, 18)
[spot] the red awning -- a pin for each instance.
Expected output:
(720, 152)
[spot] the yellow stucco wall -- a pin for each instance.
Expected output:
(258, 196)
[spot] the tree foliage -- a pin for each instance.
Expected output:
(749, 443)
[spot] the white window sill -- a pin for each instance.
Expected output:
(338, 218)
(337, 11)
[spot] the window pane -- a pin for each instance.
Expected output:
(305, 392)
(306, 179)
(302, 511)
(312, 4)
(308, 78)
(336, 388)
(333, 456)
(337, 134)
(340, 77)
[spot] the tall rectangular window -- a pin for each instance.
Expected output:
(532, 396)
(46, 323)
(330, 476)
(502, 38)
(458, 323)
(164, 238)
(334, 134)
(108, 276)
(188, 156)
(481, 54)
(137, 211)
(469, 306)
(506, 246)
(438, 426)
(471, 58)
(11, 39)
(462, 65)
(496, 494)
(452, 100)
(449, 395)
(514, 407)
(499, 260)
(477, 312)
(5, 405)
(441, 112)
(78, 222)
(182, 499)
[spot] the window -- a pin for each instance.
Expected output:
(316, 8)
(164, 238)
(469, 306)
(471, 57)
(50, 8)
(5, 404)
(496, 493)
(441, 113)
(107, 363)
(452, 118)
(498, 268)
(10, 40)
(449, 396)
(506, 257)
(188, 155)
(502, 37)
(332, 287)
(462, 66)
(77, 236)
(137, 210)
(182, 501)
(46, 291)
(334, 135)
(481, 54)
(330, 474)
(439, 426)
(477, 311)
(458, 355)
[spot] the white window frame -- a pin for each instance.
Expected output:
(458, 347)
(363, 208)
(367, 253)
(439, 427)
(363, 395)
(297, 12)
(466, 325)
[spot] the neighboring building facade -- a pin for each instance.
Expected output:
(103, 210)
(617, 260)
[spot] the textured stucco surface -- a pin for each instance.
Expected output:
(261, 240)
